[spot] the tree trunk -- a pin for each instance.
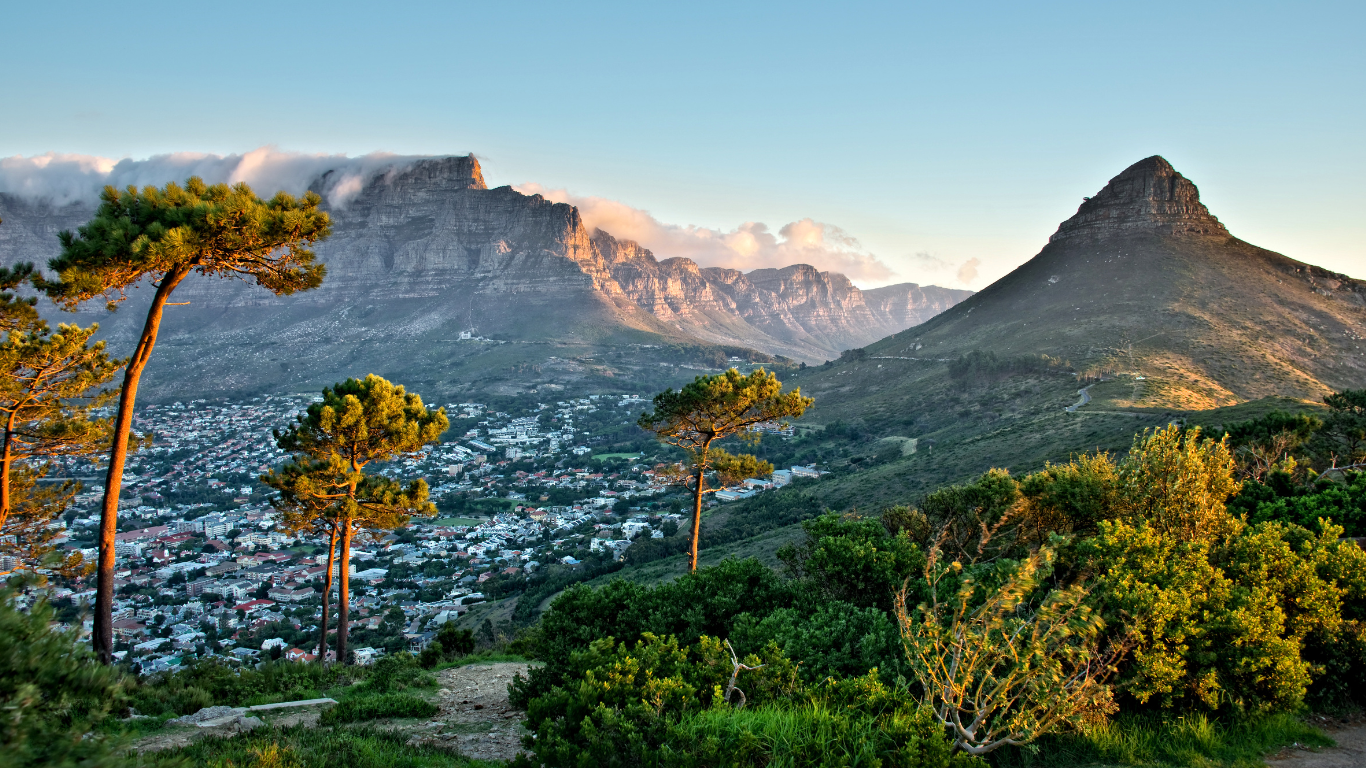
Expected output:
(327, 593)
(102, 634)
(344, 593)
(696, 518)
(6, 459)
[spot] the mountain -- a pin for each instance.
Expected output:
(1143, 297)
(425, 252)
(1144, 280)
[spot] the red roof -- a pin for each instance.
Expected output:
(253, 605)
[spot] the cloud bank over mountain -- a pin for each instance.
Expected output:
(752, 245)
(64, 178)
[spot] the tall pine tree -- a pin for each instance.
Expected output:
(163, 235)
(326, 486)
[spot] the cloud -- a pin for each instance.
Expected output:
(751, 245)
(968, 271)
(64, 178)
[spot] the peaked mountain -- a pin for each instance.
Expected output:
(426, 253)
(1145, 280)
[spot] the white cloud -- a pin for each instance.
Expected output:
(968, 271)
(64, 178)
(751, 245)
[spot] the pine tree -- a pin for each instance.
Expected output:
(712, 408)
(48, 384)
(326, 486)
(162, 235)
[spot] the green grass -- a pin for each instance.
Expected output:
(359, 708)
(303, 746)
(615, 455)
(1193, 741)
(458, 521)
(483, 657)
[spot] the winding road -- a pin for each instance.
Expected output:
(1085, 398)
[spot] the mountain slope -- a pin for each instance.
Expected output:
(1144, 280)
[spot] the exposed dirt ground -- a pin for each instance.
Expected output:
(475, 717)
(1350, 734)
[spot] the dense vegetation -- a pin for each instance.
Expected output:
(1136, 568)
(1178, 605)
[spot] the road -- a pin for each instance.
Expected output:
(1085, 398)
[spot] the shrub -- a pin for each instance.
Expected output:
(997, 665)
(52, 691)
(450, 643)
(209, 679)
(1230, 624)
(398, 672)
(852, 559)
(706, 602)
(835, 640)
(373, 707)
(619, 702)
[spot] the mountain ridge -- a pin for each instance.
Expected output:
(426, 252)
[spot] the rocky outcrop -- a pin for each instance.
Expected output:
(1148, 197)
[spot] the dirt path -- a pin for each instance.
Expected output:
(1349, 753)
(475, 716)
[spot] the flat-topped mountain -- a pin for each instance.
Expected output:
(425, 252)
(1145, 280)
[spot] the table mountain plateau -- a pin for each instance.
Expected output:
(426, 251)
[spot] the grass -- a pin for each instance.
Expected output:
(358, 708)
(458, 521)
(1193, 741)
(303, 746)
(615, 455)
(483, 657)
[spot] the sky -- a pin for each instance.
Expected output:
(926, 142)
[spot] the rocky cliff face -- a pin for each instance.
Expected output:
(798, 311)
(1148, 197)
(425, 252)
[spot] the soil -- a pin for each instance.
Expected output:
(1349, 733)
(475, 717)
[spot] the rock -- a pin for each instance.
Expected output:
(204, 715)
(1148, 197)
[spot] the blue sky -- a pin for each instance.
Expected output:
(958, 131)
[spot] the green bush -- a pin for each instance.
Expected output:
(449, 644)
(373, 707)
(53, 691)
(1226, 624)
(178, 693)
(399, 672)
(620, 701)
(1280, 499)
(706, 602)
(852, 559)
(836, 639)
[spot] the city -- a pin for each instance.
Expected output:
(204, 568)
